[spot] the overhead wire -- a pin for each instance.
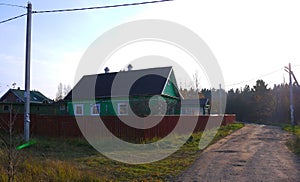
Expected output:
(81, 9)
(12, 5)
(13, 18)
(101, 7)
(267, 74)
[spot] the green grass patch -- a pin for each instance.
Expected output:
(294, 143)
(75, 160)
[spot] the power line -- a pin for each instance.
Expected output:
(254, 78)
(81, 9)
(101, 7)
(12, 5)
(13, 18)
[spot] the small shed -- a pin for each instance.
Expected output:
(195, 106)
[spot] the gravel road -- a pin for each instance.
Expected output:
(253, 153)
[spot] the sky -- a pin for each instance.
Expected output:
(250, 39)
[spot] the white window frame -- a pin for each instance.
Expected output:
(92, 109)
(75, 109)
(119, 107)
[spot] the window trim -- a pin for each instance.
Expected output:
(75, 109)
(92, 109)
(122, 103)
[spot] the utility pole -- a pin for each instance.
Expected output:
(289, 70)
(27, 74)
(220, 98)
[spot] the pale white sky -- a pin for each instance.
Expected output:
(248, 38)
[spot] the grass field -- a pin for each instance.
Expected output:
(75, 160)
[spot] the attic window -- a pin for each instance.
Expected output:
(34, 98)
(45, 102)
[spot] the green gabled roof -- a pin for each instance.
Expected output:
(171, 88)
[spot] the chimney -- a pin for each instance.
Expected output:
(129, 67)
(106, 69)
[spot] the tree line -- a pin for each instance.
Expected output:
(257, 103)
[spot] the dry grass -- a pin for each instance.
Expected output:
(294, 143)
(75, 160)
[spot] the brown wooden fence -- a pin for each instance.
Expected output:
(68, 126)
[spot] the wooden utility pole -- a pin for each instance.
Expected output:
(27, 74)
(291, 96)
(289, 70)
(220, 98)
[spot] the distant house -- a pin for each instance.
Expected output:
(39, 103)
(195, 106)
(17, 96)
(154, 87)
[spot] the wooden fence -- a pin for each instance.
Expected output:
(68, 126)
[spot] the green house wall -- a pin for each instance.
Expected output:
(140, 105)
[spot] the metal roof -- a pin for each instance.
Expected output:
(124, 83)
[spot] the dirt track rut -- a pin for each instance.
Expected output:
(253, 153)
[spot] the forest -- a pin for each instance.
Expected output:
(259, 103)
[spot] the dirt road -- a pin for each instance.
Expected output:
(253, 153)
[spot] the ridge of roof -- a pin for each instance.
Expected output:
(125, 72)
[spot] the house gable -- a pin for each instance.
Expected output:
(171, 88)
(10, 97)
